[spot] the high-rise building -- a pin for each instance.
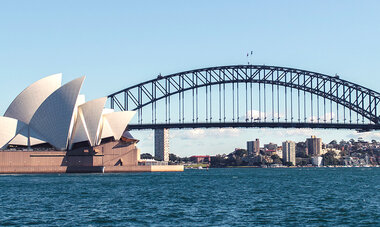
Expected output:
(314, 146)
(161, 144)
(279, 151)
(289, 151)
(253, 147)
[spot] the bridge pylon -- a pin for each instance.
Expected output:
(161, 144)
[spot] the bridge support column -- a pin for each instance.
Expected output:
(161, 144)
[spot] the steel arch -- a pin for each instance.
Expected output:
(359, 99)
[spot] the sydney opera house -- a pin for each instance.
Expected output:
(50, 128)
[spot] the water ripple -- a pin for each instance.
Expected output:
(218, 197)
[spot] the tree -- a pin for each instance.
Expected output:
(218, 161)
(352, 141)
(333, 144)
(185, 159)
(240, 152)
(146, 156)
(343, 153)
(329, 159)
(302, 154)
(288, 164)
(302, 162)
(276, 159)
(342, 143)
(174, 158)
(301, 147)
(238, 161)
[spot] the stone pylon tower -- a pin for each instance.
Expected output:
(161, 144)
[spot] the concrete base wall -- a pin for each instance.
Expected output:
(114, 156)
(163, 168)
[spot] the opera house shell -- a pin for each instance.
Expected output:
(50, 128)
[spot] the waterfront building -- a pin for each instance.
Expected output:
(53, 129)
(279, 151)
(161, 144)
(270, 146)
(314, 146)
(316, 161)
(56, 116)
(253, 147)
(336, 151)
(289, 151)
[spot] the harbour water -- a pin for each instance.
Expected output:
(217, 197)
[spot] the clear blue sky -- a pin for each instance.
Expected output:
(119, 43)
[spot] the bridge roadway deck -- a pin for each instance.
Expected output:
(358, 127)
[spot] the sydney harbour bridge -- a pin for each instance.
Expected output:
(249, 96)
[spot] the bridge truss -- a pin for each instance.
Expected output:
(250, 96)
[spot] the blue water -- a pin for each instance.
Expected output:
(218, 197)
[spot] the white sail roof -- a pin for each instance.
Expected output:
(27, 102)
(22, 138)
(47, 113)
(115, 123)
(75, 119)
(54, 116)
(9, 129)
(80, 133)
(92, 115)
(81, 100)
(106, 129)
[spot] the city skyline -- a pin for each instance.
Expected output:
(95, 39)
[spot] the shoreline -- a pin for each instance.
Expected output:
(282, 167)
